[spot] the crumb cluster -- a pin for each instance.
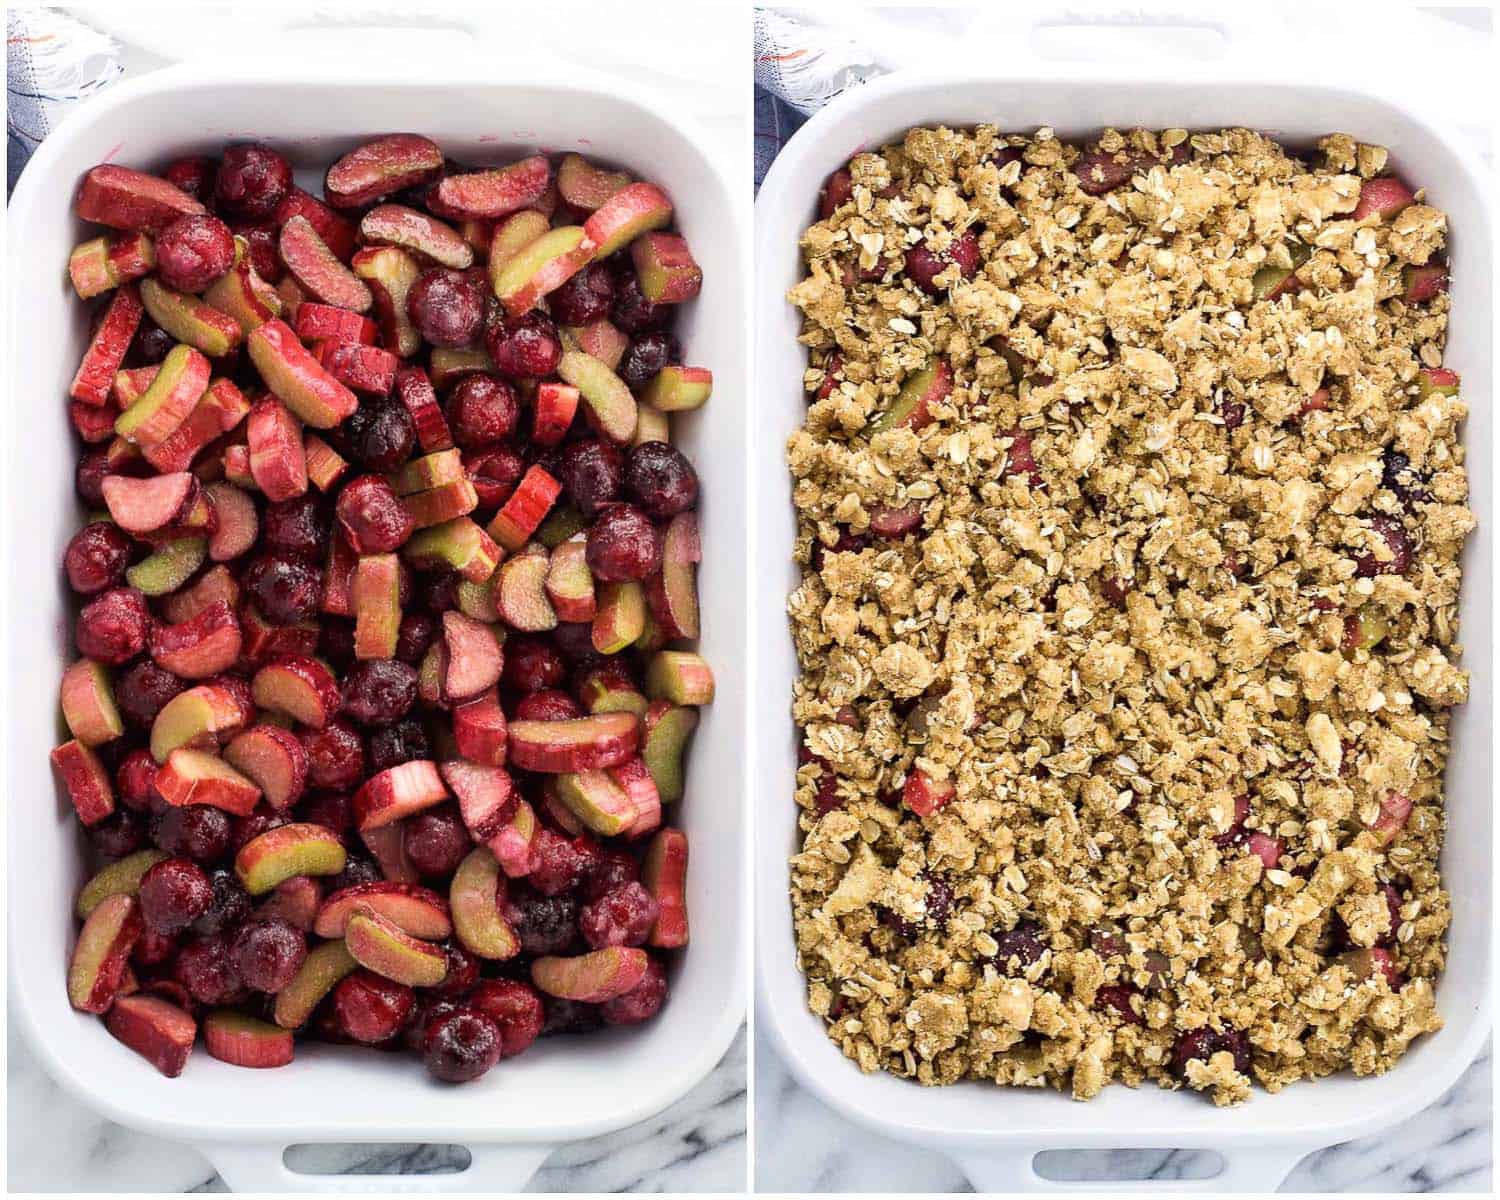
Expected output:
(1130, 499)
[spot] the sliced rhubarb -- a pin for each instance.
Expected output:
(242, 294)
(322, 276)
(245, 1041)
(86, 780)
(457, 545)
(297, 378)
(238, 523)
(199, 718)
(323, 967)
(581, 744)
(440, 504)
(120, 878)
(600, 803)
(673, 591)
(303, 689)
(325, 466)
(485, 794)
(106, 349)
(88, 704)
(912, 407)
(278, 462)
(191, 319)
(156, 1029)
(600, 339)
(679, 389)
(415, 391)
(569, 584)
(610, 405)
(556, 405)
(681, 677)
(274, 759)
(382, 167)
(619, 616)
(131, 200)
(397, 793)
(429, 471)
(143, 505)
(367, 369)
(630, 212)
(378, 944)
(169, 567)
(519, 517)
(197, 777)
(494, 193)
(337, 232)
(668, 272)
(585, 186)
(219, 409)
(376, 598)
(102, 263)
(479, 729)
(474, 657)
(102, 952)
(203, 645)
(540, 268)
(664, 872)
(389, 272)
(591, 978)
(475, 898)
(295, 900)
(413, 908)
(521, 595)
(278, 854)
(417, 233)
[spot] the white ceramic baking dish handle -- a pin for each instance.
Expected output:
(259, 1167)
(1246, 1169)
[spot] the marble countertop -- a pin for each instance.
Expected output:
(1446, 1148)
(697, 1145)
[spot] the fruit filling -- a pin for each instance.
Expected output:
(1130, 501)
(386, 605)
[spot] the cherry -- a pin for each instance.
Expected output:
(560, 863)
(193, 251)
(369, 1008)
(436, 841)
(591, 472)
(252, 180)
(482, 409)
(923, 265)
(143, 689)
(623, 544)
(150, 344)
(335, 755)
(646, 356)
(463, 971)
(514, 1007)
(298, 527)
(230, 904)
(494, 474)
(96, 558)
(332, 810)
(135, 780)
(544, 924)
(622, 917)
(193, 174)
(525, 347)
(122, 832)
(460, 1046)
(532, 664)
(379, 434)
(1018, 948)
(661, 480)
(585, 297)
(414, 636)
(569, 1016)
(372, 516)
(548, 704)
(615, 870)
(379, 691)
(113, 627)
(286, 590)
(267, 953)
(197, 831)
(447, 307)
(203, 967)
(1202, 1044)
(631, 311)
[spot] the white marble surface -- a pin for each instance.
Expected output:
(1446, 1148)
(59, 1145)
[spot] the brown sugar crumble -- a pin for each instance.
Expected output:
(1130, 503)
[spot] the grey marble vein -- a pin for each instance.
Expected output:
(804, 1146)
(57, 1144)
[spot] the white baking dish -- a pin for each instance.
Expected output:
(564, 1088)
(996, 1132)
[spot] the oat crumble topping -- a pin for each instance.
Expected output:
(1128, 618)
